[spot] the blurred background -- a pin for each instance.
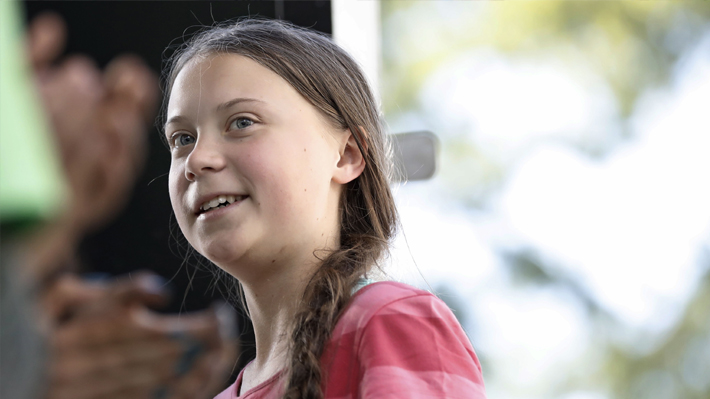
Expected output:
(568, 225)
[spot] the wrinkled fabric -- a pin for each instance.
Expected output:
(392, 341)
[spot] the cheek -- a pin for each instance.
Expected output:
(275, 178)
(173, 187)
(299, 185)
(176, 189)
(289, 175)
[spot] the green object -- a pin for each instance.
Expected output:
(32, 186)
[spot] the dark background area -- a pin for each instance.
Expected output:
(144, 235)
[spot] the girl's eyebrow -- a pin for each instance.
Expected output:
(220, 107)
(174, 119)
(235, 101)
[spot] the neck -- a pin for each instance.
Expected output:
(272, 303)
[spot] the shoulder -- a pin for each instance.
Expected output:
(393, 301)
(385, 292)
(407, 340)
(386, 310)
(384, 297)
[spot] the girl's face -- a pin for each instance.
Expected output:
(254, 171)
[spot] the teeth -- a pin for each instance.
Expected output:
(229, 199)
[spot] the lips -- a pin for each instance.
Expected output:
(216, 201)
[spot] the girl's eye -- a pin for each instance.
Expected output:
(182, 139)
(241, 123)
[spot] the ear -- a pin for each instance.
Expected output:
(351, 162)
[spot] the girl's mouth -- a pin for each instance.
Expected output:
(220, 201)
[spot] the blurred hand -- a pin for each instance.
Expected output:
(105, 343)
(99, 119)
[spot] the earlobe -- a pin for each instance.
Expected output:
(351, 162)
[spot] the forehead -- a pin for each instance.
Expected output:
(218, 78)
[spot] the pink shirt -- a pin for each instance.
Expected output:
(392, 341)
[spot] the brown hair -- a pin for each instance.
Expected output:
(331, 80)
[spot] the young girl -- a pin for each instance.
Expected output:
(279, 176)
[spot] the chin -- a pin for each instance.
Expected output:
(221, 254)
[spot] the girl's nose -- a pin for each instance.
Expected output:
(205, 157)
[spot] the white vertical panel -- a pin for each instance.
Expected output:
(356, 28)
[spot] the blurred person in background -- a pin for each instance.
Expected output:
(63, 336)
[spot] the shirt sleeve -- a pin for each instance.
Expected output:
(415, 348)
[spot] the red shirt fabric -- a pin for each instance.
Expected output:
(392, 341)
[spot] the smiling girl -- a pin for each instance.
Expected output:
(280, 176)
